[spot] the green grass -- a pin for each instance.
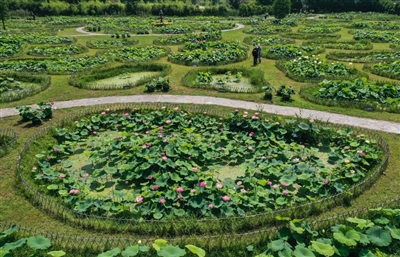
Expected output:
(15, 208)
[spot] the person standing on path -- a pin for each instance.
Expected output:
(255, 54)
(259, 52)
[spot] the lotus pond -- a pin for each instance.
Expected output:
(167, 163)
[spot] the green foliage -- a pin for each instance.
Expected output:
(390, 70)
(189, 37)
(209, 53)
(137, 54)
(110, 43)
(285, 92)
(344, 45)
(47, 50)
(142, 179)
(281, 8)
(267, 40)
(158, 84)
(319, 30)
(368, 57)
(291, 51)
(267, 29)
(38, 114)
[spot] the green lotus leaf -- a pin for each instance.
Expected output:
(52, 187)
(8, 231)
(379, 236)
(382, 220)
(395, 233)
(14, 245)
(280, 201)
(284, 233)
(4, 253)
(196, 250)
(303, 126)
(130, 251)
(38, 242)
(111, 253)
(363, 238)
(323, 249)
(301, 251)
(171, 251)
(361, 223)
(296, 226)
(57, 253)
(157, 215)
(159, 243)
(276, 245)
(285, 252)
(347, 236)
(366, 253)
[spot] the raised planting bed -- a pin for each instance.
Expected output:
(16, 86)
(233, 79)
(120, 77)
(209, 53)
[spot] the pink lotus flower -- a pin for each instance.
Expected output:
(94, 132)
(55, 149)
(254, 117)
(361, 153)
(74, 191)
(160, 135)
(175, 135)
(150, 177)
(269, 183)
(276, 186)
(179, 190)
(148, 144)
(103, 113)
(285, 192)
(162, 200)
(86, 175)
(284, 184)
(180, 196)
(226, 198)
(210, 206)
(126, 182)
(236, 110)
(164, 158)
(219, 185)
(223, 148)
(34, 168)
(326, 181)
(346, 161)
(62, 175)
(168, 121)
(41, 175)
(52, 103)
(160, 128)
(257, 113)
(144, 146)
(139, 199)
(117, 137)
(250, 147)
(126, 114)
(203, 183)
(189, 158)
(346, 147)
(155, 187)
(239, 183)
(136, 134)
(194, 169)
(243, 191)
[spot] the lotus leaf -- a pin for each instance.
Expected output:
(301, 251)
(196, 250)
(324, 249)
(347, 236)
(110, 253)
(379, 236)
(171, 251)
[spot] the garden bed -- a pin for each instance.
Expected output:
(121, 77)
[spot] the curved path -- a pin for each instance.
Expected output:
(385, 126)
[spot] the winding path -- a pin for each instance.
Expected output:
(380, 125)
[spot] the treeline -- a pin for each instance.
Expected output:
(191, 7)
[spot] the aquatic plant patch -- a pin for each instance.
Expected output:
(267, 40)
(268, 30)
(377, 25)
(390, 70)
(359, 90)
(136, 54)
(290, 51)
(232, 79)
(15, 86)
(376, 36)
(345, 45)
(40, 38)
(9, 46)
(189, 37)
(166, 163)
(368, 57)
(313, 68)
(376, 235)
(319, 30)
(110, 43)
(53, 66)
(209, 53)
(305, 36)
(47, 50)
(172, 29)
(119, 77)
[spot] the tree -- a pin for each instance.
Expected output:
(281, 8)
(3, 12)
